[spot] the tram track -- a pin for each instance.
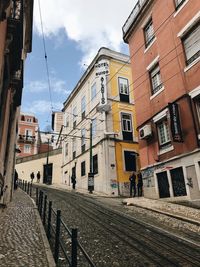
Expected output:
(159, 247)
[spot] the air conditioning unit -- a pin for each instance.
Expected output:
(145, 132)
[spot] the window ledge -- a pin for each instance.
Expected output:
(150, 45)
(180, 8)
(157, 93)
(192, 64)
(165, 150)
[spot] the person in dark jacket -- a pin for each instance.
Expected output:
(139, 184)
(73, 180)
(38, 176)
(32, 176)
(132, 180)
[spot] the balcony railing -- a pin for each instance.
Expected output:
(26, 138)
(133, 15)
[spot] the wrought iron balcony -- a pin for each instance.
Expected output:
(26, 138)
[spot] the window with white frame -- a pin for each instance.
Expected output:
(27, 149)
(73, 148)
(83, 140)
(149, 33)
(179, 3)
(67, 121)
(83, 106)
(127, 130)
(191, 43)
(123, 89)
(163, 133)
(28, 134)
(126, 122)
(156, 82)
(93, 91)
(74, 116)
(94, 127)
(66, 149)
(197, 106)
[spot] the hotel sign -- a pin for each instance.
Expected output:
(102, 70)
(175, 122)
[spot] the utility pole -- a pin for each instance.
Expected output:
(91, 174)
(47, 165)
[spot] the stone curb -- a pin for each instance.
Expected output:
(47, 248)
(179, 217)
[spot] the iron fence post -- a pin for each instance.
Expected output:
(30, 190)
(23, 184)
(57, 237)
(74, 247)
(49, 221)
(41, 203)
(37, 200)
(44, 210)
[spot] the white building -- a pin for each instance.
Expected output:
(100, 100)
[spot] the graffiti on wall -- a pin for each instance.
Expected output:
(113, 183)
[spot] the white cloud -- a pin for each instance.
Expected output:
(42, 106)
(57, 86)
(90, 23)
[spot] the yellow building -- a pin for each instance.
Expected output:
(103, 99)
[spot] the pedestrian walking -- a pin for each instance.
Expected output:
(15, 180)
(132, 180)
(139, 184)
(38, 176)
(73, 180)
(32, 176)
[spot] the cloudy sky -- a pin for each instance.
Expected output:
(74, 31)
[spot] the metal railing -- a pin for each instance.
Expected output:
(58, 233)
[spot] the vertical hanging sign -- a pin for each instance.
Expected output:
(175, 122)
(102, 70)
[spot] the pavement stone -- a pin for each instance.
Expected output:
(22, 241)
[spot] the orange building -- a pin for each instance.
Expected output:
(27, 140)
(164, 42)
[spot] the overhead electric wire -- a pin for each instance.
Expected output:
(45, 56)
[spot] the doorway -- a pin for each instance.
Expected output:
(178, 182)
(47, 173)
(163, 184)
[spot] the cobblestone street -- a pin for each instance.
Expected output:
(22, 241)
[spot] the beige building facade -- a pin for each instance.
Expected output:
(35, 163)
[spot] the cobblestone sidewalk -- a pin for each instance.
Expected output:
(22, 239)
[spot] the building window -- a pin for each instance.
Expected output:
(163, 133)
(74, 148)
(130, 160)
(94, 127)
(93, 91)
(149, 33)
(83, 140)
(191, 43)
(83, 168)
(28, 134)
(156, 82)
(74, 117)
(29, 120)
(127, 131)
(27, 149)
(123, 89)
(67, 121)
(95, 164)
(66, 150)
(179, 3)
(83, 106)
